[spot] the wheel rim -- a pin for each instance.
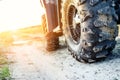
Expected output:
(74, 24)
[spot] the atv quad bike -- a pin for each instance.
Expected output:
(89, 26)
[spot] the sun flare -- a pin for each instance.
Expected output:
(15, 14)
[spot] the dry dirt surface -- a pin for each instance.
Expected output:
(30, 61)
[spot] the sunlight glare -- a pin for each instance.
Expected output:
(15, 14)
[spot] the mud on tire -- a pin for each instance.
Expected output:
(90, 28)
(52, 41)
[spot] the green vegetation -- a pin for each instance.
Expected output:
(4, 73)
(4, 70)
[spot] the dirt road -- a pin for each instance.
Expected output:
(30, 61)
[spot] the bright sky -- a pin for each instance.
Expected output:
(16, 14)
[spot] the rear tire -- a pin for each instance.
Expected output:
(92, 36)
(52, 40)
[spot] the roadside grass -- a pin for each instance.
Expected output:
(4, 73)
(31, 30)
(6, 38)
(3, 59)
(4, 70)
